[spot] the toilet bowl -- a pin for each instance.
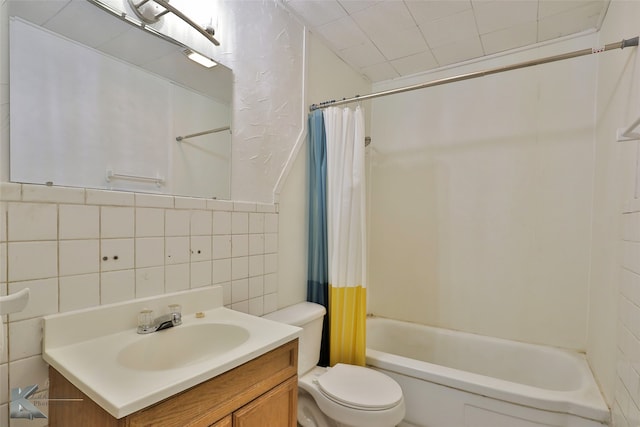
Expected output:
(343, 395)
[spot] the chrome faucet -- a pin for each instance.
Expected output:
(146, 326)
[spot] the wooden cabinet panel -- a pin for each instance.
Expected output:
(270, 409)
(204, 405)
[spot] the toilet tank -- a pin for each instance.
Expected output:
(309, 317)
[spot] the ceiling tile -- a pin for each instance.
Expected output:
(400, 44)
(497, 15)
(548, 8)
(317, 12)
(362, 55)
(342, 33)
(415, 63)
(39, 14)
(450, 29)
(380, 72)
(570, 22)
(459, 51)
(510, 38)
(384, 18)
(427, 11)
(352, 6)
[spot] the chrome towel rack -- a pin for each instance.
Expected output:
(149, 14)
(206, 132)
(111, 175)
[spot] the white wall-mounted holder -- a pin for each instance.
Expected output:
(15, 302)
(628, 134)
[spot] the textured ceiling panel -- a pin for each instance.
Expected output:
(386, 39)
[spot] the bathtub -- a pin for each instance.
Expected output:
(457, 379)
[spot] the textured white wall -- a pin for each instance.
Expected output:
(481, 199)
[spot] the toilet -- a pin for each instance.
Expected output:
(343, 395)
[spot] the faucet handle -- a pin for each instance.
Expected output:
(145, 320)
(175, 310)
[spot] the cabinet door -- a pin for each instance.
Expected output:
(225, 422)
(276, 408)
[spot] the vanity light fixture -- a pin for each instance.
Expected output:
(200, 59)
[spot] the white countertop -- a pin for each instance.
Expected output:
(91, 362)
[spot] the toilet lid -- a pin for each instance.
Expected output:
(359, 387)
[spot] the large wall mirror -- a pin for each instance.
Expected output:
(98, 102)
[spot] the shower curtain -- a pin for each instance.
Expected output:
(345, 231)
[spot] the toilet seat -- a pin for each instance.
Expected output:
(359, 388)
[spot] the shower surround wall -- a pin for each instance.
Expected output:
(480, 198)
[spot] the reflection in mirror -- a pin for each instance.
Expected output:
(103, 109)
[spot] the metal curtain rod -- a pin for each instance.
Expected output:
(206, 132)
(622, 44)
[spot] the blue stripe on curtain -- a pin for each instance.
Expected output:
(318, 261)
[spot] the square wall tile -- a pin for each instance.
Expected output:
(270, 303)
(242, 306)
(25, 338)
(239, 245)
(32, 221)
(221, 270)
(256, 244)
(201, 274)
(226, 293)
(176, 222)
(116, 222)
(177, 250)
(270, 263)
(270, 283)
(200, 248)
(239, 223)
(3, 222)
(256, 265)
(176, 277)
(32, 260)
(116, 254)
(270, 223)
(221, 222)
(78, 292)
(201, 223)
(221, 247)
(239, 290)
(149, 222)
(117, 286)
(149, 282)
(256, 286)
(239, 268)
(149, 252)
(79, 256)
(256, 306)
(271, 243)
(43, 298)
(79, 222)
(256, 223)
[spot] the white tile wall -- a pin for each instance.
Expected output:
(626, 408)
(79, 248)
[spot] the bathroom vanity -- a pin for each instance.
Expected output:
(217, 368)
(259, 393)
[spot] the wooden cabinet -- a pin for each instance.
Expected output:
(259, 393)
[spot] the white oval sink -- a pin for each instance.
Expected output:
(181, 346)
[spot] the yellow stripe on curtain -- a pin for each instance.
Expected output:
(347, 319)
